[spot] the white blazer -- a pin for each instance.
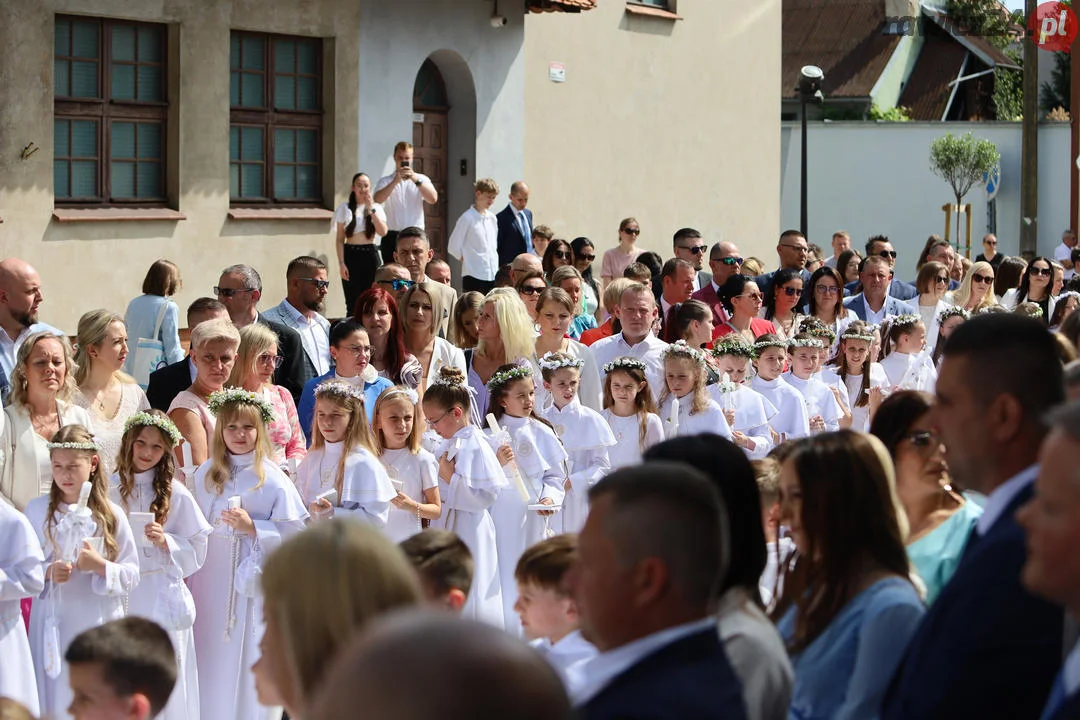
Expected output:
(1008, 301)
(21, 476)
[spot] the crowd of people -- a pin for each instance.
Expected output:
(816, 491)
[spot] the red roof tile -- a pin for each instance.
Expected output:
(573, 6)
(927, 90)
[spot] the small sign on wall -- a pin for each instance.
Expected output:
(418, 118)
(557, 72)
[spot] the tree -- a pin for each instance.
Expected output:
(987, 18)
(962, 161)
(1055, 94)
(1008, 94)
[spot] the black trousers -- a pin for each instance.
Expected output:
(469, 283)
(361, 261)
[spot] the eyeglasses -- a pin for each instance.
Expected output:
(797, 248)
(695, 249)
(922, 439)
(631, 231)
(586, 258)
(319, 284)
(531, 290)
(755, 297)
(1045, 272)
(398, 284)
(229, 292)
(982, 279)
(989, 242)
(267, 358)
(730, 261)
(826, 289)
(887, 254)
(433, 423)
(562, 254)
(791, 292)
(358, 350)
(941, 280)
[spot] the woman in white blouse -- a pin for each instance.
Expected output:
(554, 314)
(360, 223)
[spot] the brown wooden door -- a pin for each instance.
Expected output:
(430, 158)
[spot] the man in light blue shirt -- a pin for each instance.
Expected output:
(20, 297)
(307, 285)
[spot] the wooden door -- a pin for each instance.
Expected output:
(430, 158)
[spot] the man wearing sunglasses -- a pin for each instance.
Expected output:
(515, 225)
(301, 308)
(239, 289)
(394, 279)
(689, 246)
(881, 246)
(725, 261)
(792, 250)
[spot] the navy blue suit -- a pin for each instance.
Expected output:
(897, 289)
(168, 382)
(986, 648)
(1069, 710)
(512, 241)
(690, 679)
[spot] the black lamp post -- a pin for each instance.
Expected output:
(809, 90)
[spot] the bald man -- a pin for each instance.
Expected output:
(523, 264)
(724, 261)
(20, 297)
(420, 665)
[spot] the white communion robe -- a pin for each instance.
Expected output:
(22, 575)
(860, 416)
(910, 371)
(753, 412)
(86, 600)
(819, 400)
(587, 438)
(228, 624)
(366, 490)
(791, 420)
(628, 447)
(186, 534)
(417, 474)
(709, 420)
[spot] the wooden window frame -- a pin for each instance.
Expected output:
(105, 110)
(271, 119)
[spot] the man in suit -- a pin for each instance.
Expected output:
(724, 261)
(651, 560)
(987, 647)
(676, 286)
(873, 304)
(881, 246)
(239, 289)
(688, 245)
(1051, 520)
(413, 253)
(515, 225)
(168, 382)
(792, 250)
(300, 310)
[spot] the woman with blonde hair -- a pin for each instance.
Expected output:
(109, 394)
(256, 360)
(42, 389)
(356, 573)
(506, 336)
(977, 290)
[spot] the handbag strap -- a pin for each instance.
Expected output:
(160, 319)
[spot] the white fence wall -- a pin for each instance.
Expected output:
(875, 178)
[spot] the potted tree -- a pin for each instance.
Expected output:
(962, 161)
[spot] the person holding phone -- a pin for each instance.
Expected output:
(402, 194)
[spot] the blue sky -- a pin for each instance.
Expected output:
(1014, 4)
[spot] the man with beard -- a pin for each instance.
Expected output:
(20, 297)
(301, 308)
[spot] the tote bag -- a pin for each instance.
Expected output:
(150, 352)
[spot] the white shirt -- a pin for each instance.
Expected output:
(314, 335)
(571, 650)
(605, 667)
(344, 216)
(475, 242)
(1000, 498)
(648, 351)
(405, 206)
(1064, 252)
(875, 318)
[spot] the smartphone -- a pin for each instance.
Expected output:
(404, 163)
(329, 496)
(234, 502)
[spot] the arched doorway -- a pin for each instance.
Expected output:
(431, 109)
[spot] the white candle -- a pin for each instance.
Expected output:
(185, 449)
(292, 467)
(514, 474)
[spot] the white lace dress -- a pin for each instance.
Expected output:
(109, 431)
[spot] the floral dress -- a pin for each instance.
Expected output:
(286, 437)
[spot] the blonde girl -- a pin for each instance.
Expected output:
(629, 411)
(822, 407)
(527, 449)
(251, 506)
(685, 405)
(342, 474)
(470, 478)
(746, 410)
(791, 420)
(905, 361)
(412, 470)
(171, 537)
(90, 561)
(865, 380)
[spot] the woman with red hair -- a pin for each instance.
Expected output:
(377, 311)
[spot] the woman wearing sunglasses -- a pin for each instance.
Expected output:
(783, 301)
(584, 256)
(742, 300)
(618, 258)
(826, 303)
(1034, 287)
(941, 519)
(529, 286)
(977, 290)
(558, 254)
(931, 284)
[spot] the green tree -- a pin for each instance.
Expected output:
(987, 18)
(962, 161)
(1055, 94)
(896, 114)
(1008, 94)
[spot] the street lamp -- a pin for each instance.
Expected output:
(810, 77)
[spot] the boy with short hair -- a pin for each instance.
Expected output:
(445, 566)
(475, 238)
(549, 615)
(123, 669)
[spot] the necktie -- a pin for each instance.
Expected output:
(525, 232)
(1056, 699)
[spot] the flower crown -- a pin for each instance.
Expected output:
(811, 342)
(734, 346)
(220, 398)
(556, 361)
(762, 345)
(1034, 312)
(902, 321)
(91, 446)
(518, 372)
(343, 390)
(851, 333)
(952, 311)
(407, 392)
(624, 363)
(164, 424)
(679, 349)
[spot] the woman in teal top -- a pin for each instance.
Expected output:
(849, 608)
(941, 520)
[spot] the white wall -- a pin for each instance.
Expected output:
(875, 178)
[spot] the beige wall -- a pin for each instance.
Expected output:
(101, 264)
(675, 122)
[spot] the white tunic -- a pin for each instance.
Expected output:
(467, 500)
(860, 416)
(417, 473)
(227, 643)
(709, 420)
(590, 389)
(366, 491)
(819, 400)
(186, 533)
(541, 461)
(752, 415)
(587, 438)
(791, 420)
(86, 600)
(907, 371)
(22, 575)
(628, 447)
